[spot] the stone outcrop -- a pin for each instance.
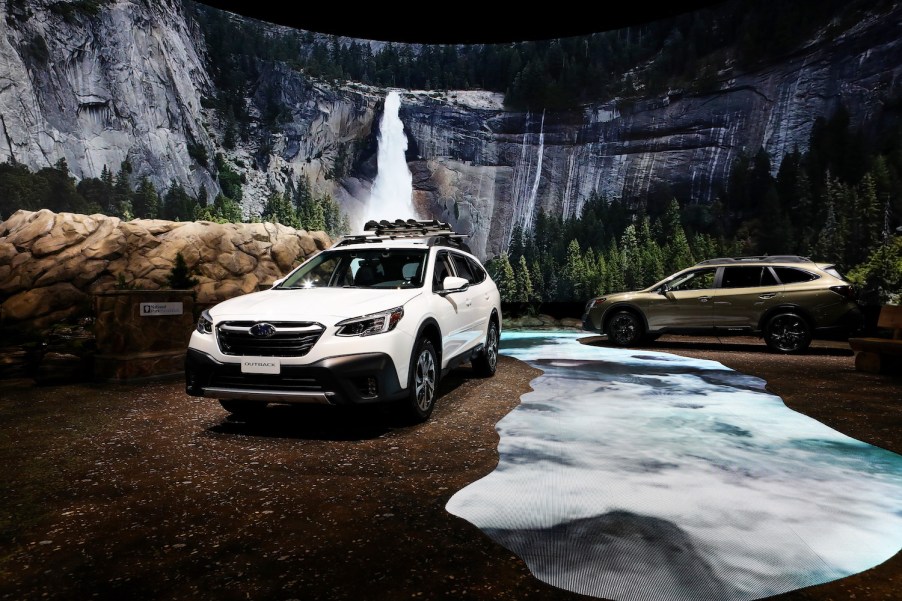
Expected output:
(52, 263)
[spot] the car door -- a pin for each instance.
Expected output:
(451, 309)
(688, 305)
(743, 295)
(473, 301)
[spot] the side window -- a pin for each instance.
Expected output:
(462, 267)
(477, 270)
(742, 277)
(768, 278)
(701, 279)
(441, 271)
(791, 275)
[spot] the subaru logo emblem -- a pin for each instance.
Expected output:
(262, 330)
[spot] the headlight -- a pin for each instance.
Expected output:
(205, 323)
(374, 323)
(595, 302)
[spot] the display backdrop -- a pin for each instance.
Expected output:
(636, 475)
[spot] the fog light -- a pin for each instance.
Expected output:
(371, 388)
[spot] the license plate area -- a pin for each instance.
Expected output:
(261, 365)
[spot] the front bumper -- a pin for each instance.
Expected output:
(343, 380)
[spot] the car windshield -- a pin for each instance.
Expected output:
(356, 268)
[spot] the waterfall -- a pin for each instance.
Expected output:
(524, 194)
(392, 194)
(529, 213)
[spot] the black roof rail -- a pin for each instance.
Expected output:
(759, 258)
(439, 233)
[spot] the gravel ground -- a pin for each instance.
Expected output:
(141, 492)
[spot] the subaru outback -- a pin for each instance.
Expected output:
(784, 299)
(378, 317)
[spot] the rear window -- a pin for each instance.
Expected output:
(746, 277)
(791, 275)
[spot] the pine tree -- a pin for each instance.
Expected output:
(146, 200)
(279, 209)
(574, 279)
(523, 283)
(633, 277)
(505, 280)
(180, 276)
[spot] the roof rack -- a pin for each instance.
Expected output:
(759, 258)
(439, 233)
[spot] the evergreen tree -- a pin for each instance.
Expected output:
(146, 200)
(574, 276)
(677, 254)
(279, 209)
(538, 281)
(226, 210)
(180, 276)
(504, 279)
(523, 283)
(177, 204)
(615, 276)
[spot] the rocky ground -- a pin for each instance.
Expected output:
(139, 491)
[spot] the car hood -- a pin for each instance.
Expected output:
(619, 297)
(324, 305)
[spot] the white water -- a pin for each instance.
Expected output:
(392, 194)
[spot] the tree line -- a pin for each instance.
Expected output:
(685, 51)
(127, 197)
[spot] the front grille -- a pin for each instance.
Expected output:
(291, 338)
(230, 376)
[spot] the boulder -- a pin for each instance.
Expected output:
(51, 263)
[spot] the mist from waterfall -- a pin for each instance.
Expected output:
(392, 194)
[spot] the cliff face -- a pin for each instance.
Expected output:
(97, 87)
(127, 82)
(488, 170)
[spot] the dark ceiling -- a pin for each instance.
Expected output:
(469, 22)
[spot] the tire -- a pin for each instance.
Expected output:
(625, 329)
(787, 333)
(422, 383)
(242, 408)
(486, 362)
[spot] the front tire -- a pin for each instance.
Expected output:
(787, 333)
(422, 382)
(486, 362)
(625, 329)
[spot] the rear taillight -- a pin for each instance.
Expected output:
(847, 292)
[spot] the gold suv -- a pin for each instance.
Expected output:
(784, 299)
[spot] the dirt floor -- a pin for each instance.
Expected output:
(138, 491)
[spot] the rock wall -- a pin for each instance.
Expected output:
(99, 86)
(51, 263)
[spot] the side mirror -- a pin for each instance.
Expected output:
(664, 289)
(453, 284)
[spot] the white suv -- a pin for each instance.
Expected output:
(377, 317)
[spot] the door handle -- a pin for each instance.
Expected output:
(704, 299)
(767, 295)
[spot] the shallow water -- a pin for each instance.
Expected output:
(637, 475)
